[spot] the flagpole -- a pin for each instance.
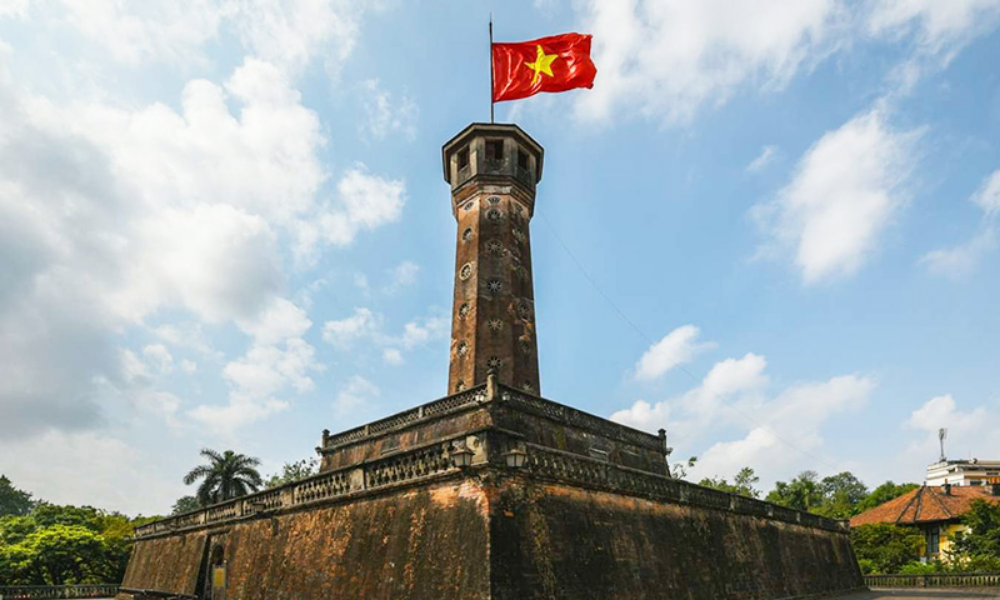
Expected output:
(491, 68)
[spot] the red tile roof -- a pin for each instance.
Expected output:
(925, 505)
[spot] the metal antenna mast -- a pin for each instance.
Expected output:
(942, 434)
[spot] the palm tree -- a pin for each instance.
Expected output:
(228, 475)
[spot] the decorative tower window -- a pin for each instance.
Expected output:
(494, 215)
(466, 271)
(494, 324)
(494, 200)
(517, 233)
(460, 385)
(464, 309)
(494, 150)
(468, 206)
(494, 286)
(462, 349)
(525, 345)
(524, 309)
(494, 247)
(467, 234)
(528, 387)
(494, 362)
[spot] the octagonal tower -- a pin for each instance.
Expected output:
(493, 170)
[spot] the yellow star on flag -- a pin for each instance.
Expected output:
(542, 64)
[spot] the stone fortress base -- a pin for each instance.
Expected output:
(585, 517)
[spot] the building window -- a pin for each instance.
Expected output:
(462, 349)
(494, 150)
(466, 271)
(522, 158)
(463, 158)
(494, 362)
(463, 310)
(494, 215)
(495, 286)
(467, 234)
(459, 385)
(494, 247)
(933, 542)
(494, 200)
(495, 324)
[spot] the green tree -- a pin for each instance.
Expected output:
(66, 554)
(294, 472)
(842, 493)
(227, 475)
(885, 547)
(743, 483)
(47, 515)
(13, 529)
(679, 470)
(801, 493)
(12, 500)
(185, 504)
(982, 540)
(883, 493)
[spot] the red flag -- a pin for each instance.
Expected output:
(551, 64)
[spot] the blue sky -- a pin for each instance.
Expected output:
(224, 224)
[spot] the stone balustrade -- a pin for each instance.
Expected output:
(517, 399)
(435, 459)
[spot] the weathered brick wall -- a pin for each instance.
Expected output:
(412, 544)
(489, 535)
(167, 563)
(557, 542)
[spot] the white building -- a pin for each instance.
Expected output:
(963, 472)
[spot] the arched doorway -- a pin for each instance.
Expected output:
(217, 568)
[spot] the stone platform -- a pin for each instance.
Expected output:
(430, 504)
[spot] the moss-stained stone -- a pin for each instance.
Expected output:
(490, 535)
(551, 541)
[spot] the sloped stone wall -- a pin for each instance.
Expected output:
(553, 541)
(491, 534)
(417, 543)
(166, 563)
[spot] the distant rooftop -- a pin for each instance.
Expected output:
(926, 504)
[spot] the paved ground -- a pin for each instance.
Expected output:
(926, 595)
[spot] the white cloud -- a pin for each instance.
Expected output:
(678, 347)
(277, 361)
(702, 404)
(845, 191)
(358, 392)
(960, 260)
(289, 33)
(159, 357)
(970, 433)
(384, 116)
(668, 57)
(788, 428)
(142, 214)
(149, 30)
(937, 27)
(763, 159)
(89, 468)
(403, 275)
(366, 325)
(392, 356)
(13, 8)
(421, 331)
(775, 432)
(343, 333)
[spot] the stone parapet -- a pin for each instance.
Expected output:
(488, 449)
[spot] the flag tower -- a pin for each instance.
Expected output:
(493, 171)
